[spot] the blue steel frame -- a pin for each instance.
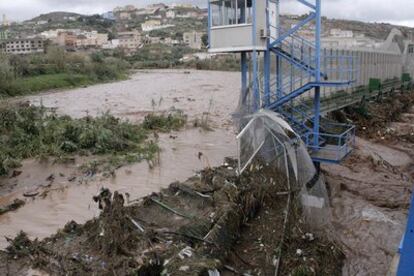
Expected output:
(311, 67)
(406, 266)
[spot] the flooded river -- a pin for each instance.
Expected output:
(194, 92)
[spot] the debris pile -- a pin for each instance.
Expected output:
(373, 118)
(214, 222)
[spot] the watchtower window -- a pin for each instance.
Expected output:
(231, 12)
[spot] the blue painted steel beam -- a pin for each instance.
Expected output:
(302, 66)
(292, 95)
(406, 266)
(306, 3)
(282, 37)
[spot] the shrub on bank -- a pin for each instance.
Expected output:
(29, 132)
(56, 69)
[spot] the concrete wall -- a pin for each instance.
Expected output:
(367, 64)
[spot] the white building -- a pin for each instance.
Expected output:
(41, 22)
(111, 44)
(193, 40)
(152, 25)
(170, 14)
(91, 40)
(129, 41)
(341, 33)
(182, 5)
(22, 46)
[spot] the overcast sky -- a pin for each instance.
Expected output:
(396, 11)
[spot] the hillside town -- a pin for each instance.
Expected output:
(129, 28)
(125, 28)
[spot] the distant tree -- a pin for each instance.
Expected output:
(56, 56)
(111, 35)
(204, 39)
(97, 57)
(6, 74)
(178, 36)
(20, 65)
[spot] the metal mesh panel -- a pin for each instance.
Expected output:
(268, 138)
(249, 142)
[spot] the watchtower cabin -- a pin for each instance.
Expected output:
(237, 25)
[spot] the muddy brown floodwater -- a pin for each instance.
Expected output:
(370, 191)
(194, 92)
(370, 194)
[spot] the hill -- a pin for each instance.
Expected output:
(378, 31)
(58, 16)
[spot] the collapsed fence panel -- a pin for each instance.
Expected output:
(270, 139)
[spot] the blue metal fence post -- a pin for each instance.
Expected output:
(256, 93)
(317, 99)
(209, 23)
(406, 266)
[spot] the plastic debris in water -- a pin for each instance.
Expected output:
(186, 253)
(184, 268)
(214, 272)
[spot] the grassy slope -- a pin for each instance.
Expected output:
(40, 83)
(45, 82)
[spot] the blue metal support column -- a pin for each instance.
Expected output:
(267, 61)
(317, 99)
(244, 69)
(279, 77)
(267, 77)
(209, 23)
(406, 266)
(256, 92)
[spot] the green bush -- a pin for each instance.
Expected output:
(165, 123)
(28, 132)
(56, 69)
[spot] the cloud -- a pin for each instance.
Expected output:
(396, 11)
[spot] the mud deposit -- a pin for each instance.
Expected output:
(370, 191)
(197, 227)
(65, 196)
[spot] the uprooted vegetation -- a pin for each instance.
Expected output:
(215, 221)
(373, 118)
(36, 132)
